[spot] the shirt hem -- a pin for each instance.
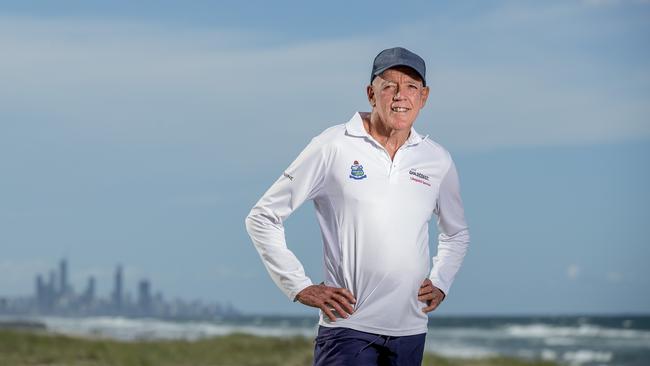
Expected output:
(375, 330)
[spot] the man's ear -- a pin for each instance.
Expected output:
(424, 96)
(371, 95)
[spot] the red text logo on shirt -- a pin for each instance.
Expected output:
(419, 177)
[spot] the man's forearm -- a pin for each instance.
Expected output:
(447, 262)
(285, 269)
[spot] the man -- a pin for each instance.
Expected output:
(375, 183)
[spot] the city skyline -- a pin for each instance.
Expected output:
(54, 295)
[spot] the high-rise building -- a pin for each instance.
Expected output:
(51, 285)
(89, 293)
(118, 295)
(63, 277)
(144, 297)
(50, 291)
(40, 292)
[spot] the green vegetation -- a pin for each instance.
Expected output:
(38, 348)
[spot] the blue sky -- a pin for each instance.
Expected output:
(142, 132)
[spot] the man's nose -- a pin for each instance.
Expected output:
(398, 94)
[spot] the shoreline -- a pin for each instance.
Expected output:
(582, 341)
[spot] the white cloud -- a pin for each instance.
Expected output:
(117, 81)
(573, 271)
(131, 81)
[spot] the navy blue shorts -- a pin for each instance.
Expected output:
(348, 347)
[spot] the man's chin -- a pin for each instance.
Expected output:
(401, 125)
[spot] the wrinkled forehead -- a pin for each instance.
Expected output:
(398, 72)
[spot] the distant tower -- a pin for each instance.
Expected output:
(89, 294)
(40, 292)
(50, 291)
(63, 277)
(117, 289)
(51, 283)
(144, 297)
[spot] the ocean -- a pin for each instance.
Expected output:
(569, 340)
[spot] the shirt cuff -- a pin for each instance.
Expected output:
(293, 294)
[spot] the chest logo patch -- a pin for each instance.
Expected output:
(356, 171)
(419, 177)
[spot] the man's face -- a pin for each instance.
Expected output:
(397, 95)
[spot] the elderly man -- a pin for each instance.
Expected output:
(375, 183)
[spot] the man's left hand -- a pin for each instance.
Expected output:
(432, 295)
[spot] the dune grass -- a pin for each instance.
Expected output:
(30, 348)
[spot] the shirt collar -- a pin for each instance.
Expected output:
(355, 127)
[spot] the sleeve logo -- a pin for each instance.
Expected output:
(356, 171)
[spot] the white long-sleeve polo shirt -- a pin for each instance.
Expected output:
(374, 214)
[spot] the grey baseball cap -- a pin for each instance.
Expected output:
(398, 56)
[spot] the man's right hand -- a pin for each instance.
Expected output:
(328, 299)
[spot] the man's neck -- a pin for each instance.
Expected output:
(390, 139)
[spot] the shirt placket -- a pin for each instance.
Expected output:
(392, 166)
(393, 173)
